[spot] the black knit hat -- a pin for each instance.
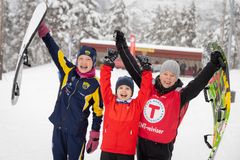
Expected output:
(125, 80)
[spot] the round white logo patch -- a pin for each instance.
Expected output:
(154, 111)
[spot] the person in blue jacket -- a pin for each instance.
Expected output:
(78, 93)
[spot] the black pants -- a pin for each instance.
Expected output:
(149, 150)
(115, 156)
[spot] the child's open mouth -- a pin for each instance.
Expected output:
(123, 95)
(166, 82)
(84, 67)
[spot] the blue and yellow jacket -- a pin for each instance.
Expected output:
(75, 97)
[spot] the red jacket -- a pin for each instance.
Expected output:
(161, 116)
(121, 120)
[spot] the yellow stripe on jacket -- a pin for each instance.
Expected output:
(97, 110)
(65, 68)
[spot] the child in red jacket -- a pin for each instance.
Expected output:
(122, 113)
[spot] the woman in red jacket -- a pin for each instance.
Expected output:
(122, 113)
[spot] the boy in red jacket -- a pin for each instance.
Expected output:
(122, 113)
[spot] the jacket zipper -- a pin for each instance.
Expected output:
(72, 95)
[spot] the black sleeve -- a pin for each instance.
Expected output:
(130, 63)
(197, 85)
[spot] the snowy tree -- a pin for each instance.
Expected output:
(173, 34)
(237, 34)
(158, 28)
(58, 20)
(171, 27)
(90, 19)
(226, 39)
(188, 26)
(117, 19)
(7, 39)
(216, 34)
(139, 26)
(74, 20)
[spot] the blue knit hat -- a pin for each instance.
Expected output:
(125, 80)
(88, 51)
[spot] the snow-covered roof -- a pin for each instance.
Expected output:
(145, 46)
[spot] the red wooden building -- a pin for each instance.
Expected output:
(191, 57)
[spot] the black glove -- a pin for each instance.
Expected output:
(110, 58)
(144, 62)
(112, 54)
(218, 59)
(119, 38)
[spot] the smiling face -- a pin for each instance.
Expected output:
(124, 92)
(84, 63)
(167, 79)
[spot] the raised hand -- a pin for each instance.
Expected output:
(110, 58)
(112, 54)
(218, 58)
(119, 36)
(43, 30)
(144, 62)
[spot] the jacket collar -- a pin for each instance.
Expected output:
(89, 74)
(124, 101)
(159, 87)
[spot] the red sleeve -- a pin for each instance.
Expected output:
(145, 89)
(105, 84)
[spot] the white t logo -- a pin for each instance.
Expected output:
(154, 111)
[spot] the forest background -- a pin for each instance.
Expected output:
(184, 23)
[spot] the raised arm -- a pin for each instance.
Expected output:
(197, 85)
(129, 61)
(105, 76)
(146, 84)
(56, 53)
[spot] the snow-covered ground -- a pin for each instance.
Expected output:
(25, 132)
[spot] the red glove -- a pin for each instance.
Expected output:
(93, 141)
(43, 30)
